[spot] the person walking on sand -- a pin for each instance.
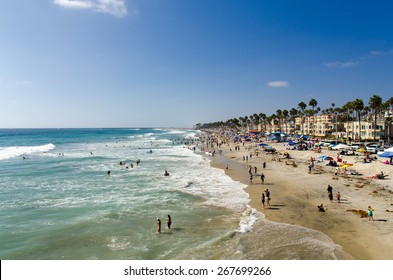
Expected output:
(158, 225)
(169, 221)
(370, 213)
(263, 200)
(338, 197)
(264, 165)
(251, 178)
(267, 194)
(263, 179)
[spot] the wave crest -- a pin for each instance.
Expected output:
(15, 151)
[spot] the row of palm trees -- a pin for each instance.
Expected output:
(350, 111)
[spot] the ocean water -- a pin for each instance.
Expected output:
(57, 200)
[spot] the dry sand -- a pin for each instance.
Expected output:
(295, 195)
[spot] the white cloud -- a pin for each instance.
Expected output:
(277, 84)
(114, 7)
(381, 53)
(340, 64)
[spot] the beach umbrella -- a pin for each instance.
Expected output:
(387, 153)
(325, 158)
(262, 144)
(361, 150)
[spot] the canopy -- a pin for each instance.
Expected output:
(386, 153)
(341, 147)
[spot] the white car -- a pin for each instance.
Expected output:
(373, 148)
(355, 146)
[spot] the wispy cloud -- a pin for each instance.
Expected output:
(341, 64)
(114, 7)
(277, 84)
(382, 53)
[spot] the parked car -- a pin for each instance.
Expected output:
(355, 146)
(373, 148)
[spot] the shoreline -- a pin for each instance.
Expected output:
(296, 194)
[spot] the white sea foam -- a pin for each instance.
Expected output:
(11, 152)
(248, 219)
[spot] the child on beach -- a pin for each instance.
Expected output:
(263, 200)
(338, 197)
(370, 213)
(321, 208)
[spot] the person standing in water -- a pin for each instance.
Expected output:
(158, 225)
(169, 221)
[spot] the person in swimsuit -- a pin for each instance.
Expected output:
(370, 213)
(169, 221)
(158, 225)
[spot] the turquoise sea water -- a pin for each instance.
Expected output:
(57, 200)
(60, 203)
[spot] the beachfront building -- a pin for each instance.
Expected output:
(367, 131)
(328, 124)
(319, 126)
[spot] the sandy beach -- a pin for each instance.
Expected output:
(295, 194)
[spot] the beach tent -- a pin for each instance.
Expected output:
(341, 147)
(387, 153)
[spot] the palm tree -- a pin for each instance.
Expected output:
(262, 119)
(358, 106)
(256, 120)
(285, 114)
(302, 107)
(293, 113)
(279, 117)
(375, 103)
(388, 123)
(334, 111)
(313, 103)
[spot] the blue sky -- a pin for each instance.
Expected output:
(175, 63)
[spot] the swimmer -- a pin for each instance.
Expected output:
(109, 172)
(166, 173)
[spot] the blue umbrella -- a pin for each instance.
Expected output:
(387, 153)
(262, 144)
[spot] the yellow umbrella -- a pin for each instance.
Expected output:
(361, 150)
(344, 166)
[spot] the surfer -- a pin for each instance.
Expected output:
(166, 173)
(109, 172)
